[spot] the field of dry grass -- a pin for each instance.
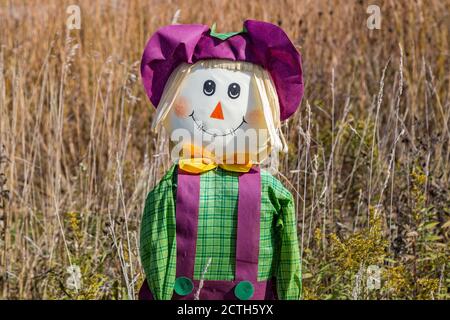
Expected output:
(369, 159)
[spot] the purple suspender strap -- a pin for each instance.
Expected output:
(248, 224)
(249, 211)
(188, 200)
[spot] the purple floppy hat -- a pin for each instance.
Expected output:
(259, 42)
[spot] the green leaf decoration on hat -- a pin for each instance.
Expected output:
(224, 36)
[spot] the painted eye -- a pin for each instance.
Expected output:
(209, 87)
(234, 90)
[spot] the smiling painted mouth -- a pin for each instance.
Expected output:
(203, 128)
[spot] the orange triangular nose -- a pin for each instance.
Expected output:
(217, 112)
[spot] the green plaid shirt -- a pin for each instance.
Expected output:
(216, 237)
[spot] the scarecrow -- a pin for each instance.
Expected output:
(217, 226)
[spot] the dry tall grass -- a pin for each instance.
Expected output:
(369, 159)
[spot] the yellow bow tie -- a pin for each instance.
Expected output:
(200, 165)
(202, 161)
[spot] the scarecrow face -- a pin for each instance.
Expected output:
(220, 106)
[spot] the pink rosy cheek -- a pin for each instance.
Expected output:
(181, 108)
(255, 118)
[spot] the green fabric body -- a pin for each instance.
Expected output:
(216, 238)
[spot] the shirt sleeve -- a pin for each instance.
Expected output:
(157, 239)
(288, 270)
